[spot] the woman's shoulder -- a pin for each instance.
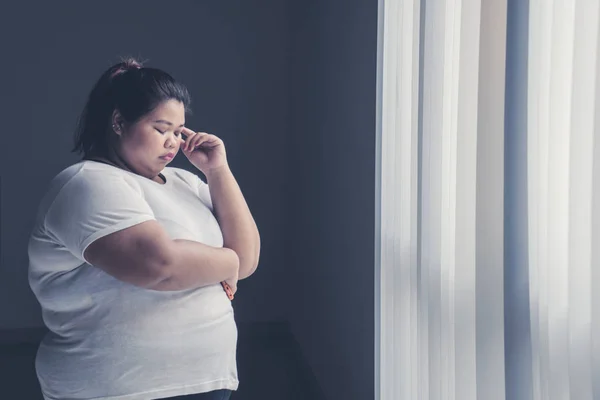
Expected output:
(89, 172)
(88, 177)
(78, 181)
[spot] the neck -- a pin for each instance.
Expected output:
(113, 158)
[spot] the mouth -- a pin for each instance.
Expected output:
(168, 156)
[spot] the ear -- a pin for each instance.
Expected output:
(117, 122)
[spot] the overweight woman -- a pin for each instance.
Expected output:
(135, 263)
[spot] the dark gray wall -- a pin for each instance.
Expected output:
(232, 55)
(275, 79)
(332, 191)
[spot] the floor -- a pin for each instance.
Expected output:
(270, 367)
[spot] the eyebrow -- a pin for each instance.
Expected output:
(162, 121)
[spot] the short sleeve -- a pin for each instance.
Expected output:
(94, 204)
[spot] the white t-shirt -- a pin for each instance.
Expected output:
(109, 339)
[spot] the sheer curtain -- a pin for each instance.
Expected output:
(488, 200)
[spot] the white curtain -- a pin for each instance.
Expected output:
(563, 197)
(488, 200)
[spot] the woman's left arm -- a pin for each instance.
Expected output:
(240, 232)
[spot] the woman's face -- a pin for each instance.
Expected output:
(151, 143)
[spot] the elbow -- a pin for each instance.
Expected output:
(255, 254)
(256, 258)
(249, 272)
(249, 267)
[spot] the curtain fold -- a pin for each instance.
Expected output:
(563, 43)
(398, 202)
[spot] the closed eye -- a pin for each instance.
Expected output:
(176, 133)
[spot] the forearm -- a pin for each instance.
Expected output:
(194, 264)
(240, 232)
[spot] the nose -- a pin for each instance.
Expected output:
(172, 141)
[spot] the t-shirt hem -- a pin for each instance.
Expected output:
(229, 384)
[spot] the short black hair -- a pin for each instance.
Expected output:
(134, 91)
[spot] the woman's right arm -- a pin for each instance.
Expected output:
(144, 255)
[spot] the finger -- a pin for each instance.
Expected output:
(198, 141)
(228, 290)
(190, 140)
(211, 141)
(187, 132)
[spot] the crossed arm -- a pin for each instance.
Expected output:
(145, 256)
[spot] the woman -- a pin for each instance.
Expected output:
(133, 261)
